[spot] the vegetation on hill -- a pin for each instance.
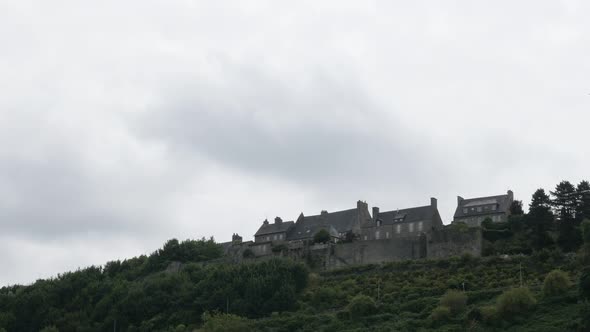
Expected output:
(536, 278)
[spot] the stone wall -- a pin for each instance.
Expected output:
(376, 251)
(454, 241)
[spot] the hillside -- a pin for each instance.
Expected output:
(534, 276)
(156, 293)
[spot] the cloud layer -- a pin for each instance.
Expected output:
(125, 124)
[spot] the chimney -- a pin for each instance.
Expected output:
(510, 195)
(265, 222)
(236, 238)
(278, 220)
(433, 202)
(324, 212)
(360, 204)
(375, 213)
(459, 200)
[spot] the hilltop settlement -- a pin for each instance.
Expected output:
(355, 236)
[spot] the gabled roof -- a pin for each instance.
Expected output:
(307, 231)
(335, 222)
(267, 228)
(502, 203)
(421, 213)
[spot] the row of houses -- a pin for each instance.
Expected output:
(358, 224)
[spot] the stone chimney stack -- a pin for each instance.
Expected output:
(459, 200)
(236, 239)
(510, 195)
(433, 202)
(265, 222)
(375, 213)
(278, 220)
(360, 205)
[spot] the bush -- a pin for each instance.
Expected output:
(321, 237)
(440, 313)
(488, 314)
(224, 323)
(454, 300)
(361, 306)
(248, 253)
(49, 329)
(556, 283)
(584, 287)
(515, 302)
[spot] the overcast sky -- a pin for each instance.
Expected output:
(127, 123)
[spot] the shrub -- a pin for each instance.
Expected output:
(488, 314)
(224, 323)
(248, 253)
(321, 237)
(584, 287)
(440, 313)
(49, 329)
(556, 283)
(454, 300)
(361, 306)
(514, 302)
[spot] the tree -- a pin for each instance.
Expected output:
(516, 208)
(540, 219)
(361, 306)
(556, 283)
(564, 200)
(565, 203)
(454, 300)
(321, 237)
(515, 302)
(583, 201)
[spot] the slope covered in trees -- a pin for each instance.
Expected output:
(536, 277)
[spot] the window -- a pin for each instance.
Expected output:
(398, 228)
(420, 225)
(387, 235)
(365, 238)
(411, 227)
(479, 209)
(377, 235)
(494, 207)
(268, 238)
(274, 237)
(280, 236)
(465, 210)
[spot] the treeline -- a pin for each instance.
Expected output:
(169, 290)
(553, 222)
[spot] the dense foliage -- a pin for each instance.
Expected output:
(536, 278)
(168, 288)
(553, 221)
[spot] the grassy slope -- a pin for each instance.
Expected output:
(407, 292)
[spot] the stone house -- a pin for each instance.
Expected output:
(339, 224)
(472, 211)
(402, 223)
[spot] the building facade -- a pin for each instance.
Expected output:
(472, 211)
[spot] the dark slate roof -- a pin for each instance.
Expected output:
(335, 222)
(421, 213)
(502, 202)
(274, 228)
(304, 231)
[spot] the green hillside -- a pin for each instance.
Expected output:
(535, 277)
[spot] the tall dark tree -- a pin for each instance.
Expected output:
(564, 203)
(564, 200)
(583, 201)
(540, 219)
(516, 208)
